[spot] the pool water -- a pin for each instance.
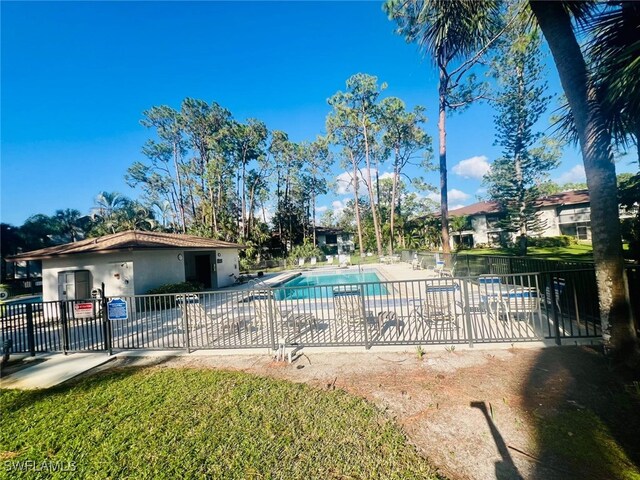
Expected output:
(319, 285)
(34, 299)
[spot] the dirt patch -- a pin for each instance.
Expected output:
(475, 414)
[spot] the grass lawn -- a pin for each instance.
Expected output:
(187, 423)
(580, 252)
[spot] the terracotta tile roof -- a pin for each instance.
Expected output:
(129, 240)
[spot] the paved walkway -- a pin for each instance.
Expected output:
(55, 369)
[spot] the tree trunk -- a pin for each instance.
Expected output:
(245, 231)
(250, 209)
(442, 135)
(595, 144)
(374, 209)
(392, 213)
(179, 180)
(313, 201)
(357, 202)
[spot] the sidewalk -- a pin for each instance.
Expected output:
(55, 369)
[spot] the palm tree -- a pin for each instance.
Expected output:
(70, 224)
(447, 31)
(107, 202)
(611, 53)
(554, 19)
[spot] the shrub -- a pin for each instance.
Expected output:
(306, 250)
(162, 302)
(183, 287)
(551, 242)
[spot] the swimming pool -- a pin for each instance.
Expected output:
(311, 285)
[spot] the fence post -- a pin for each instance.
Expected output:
(554, 310)
(106, 323)
(364, 319)
(65, 327)
(270, 314)
(467, 313)
(185, 322)
(30, 331)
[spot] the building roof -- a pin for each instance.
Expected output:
(479, 208)
(572, 197)
(129, 240)
(330, 230)
(565, 198)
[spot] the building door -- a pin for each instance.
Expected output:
(203, 270)
(74, 285)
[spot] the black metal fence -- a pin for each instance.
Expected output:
(75, 325)
(557, 305)
(472, 265)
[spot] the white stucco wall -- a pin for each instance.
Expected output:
(102, 268)
(152, 269)
(229, 265)
(549, 219)
(479, 224)
(157, 267)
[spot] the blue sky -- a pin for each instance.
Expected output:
(76, 77)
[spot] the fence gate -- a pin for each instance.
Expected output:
(64, 326)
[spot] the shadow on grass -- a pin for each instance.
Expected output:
(585, 421)
(505, 469)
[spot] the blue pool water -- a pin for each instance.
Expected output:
(35, 299)
(320, 285)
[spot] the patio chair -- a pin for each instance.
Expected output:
(439, 306)
(313, 261)
(416, 264)
(516, 302)
(301, 262)
(198, 317)
(329, 259)
(266, 307)
(348, 307)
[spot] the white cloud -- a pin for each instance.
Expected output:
(575, 175)
(387, 175)
(455, 195)
(322, 209)
(474, 167)
(455, 207)
(344, 181)
(338, 207)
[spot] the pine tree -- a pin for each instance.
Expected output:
(526, 155)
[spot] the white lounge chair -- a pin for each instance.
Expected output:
(439, 307)
(515, 303)
(198, 317)
(348, 308)
(266, 308)
(313, 261)
(301, 262)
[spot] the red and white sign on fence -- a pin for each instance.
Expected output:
(83, 310)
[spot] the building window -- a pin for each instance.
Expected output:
(331, 239)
